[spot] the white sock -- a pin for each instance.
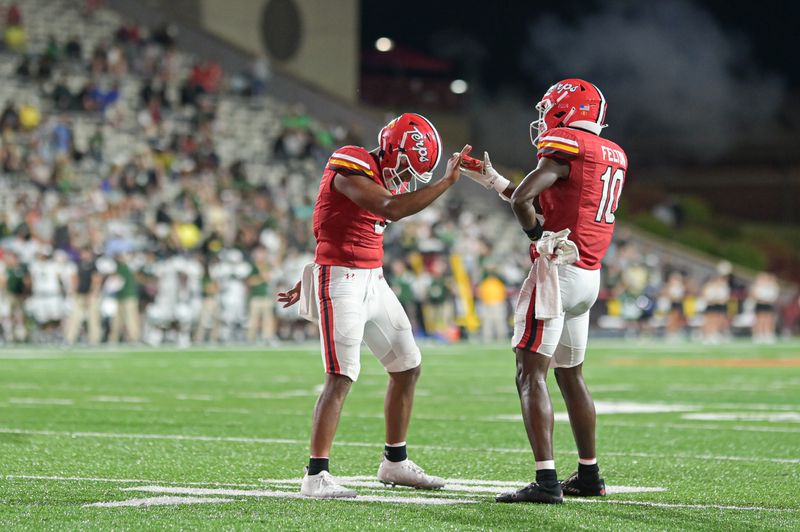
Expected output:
(402, 443)
(546, 464)
(587, 461)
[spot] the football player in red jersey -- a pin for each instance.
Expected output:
(345, 291)
(577, 182)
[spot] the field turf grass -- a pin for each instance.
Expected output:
(217, 439)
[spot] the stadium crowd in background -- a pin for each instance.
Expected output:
(173, 244)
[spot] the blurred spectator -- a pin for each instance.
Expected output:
(230, 275)
(439, 308)
(73, 49)
(493, 306)
(674, 293)
(16, 287)
(764, 292)
(29, 116)
(261, 314)
(46, 304)
(294, 143)
(15, 38)
(13, 15)
(403, 284)
(715, 293)
(9, 119)
(53, 50)
(259, 73)
(178, 300)
(86, 305)
(207, 328)
(126, 294)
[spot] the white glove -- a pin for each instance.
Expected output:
(558, 248)
(487, 176)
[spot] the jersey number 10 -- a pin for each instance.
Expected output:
(612, 188)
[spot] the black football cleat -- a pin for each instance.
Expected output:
(575, 487)
(535, 493)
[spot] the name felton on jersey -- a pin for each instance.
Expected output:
(585, 201)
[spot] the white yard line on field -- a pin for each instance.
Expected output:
(432, 500)
(732, 387)
(158, 501)
(127, 481)
(606, 407)
(295, 495)
(40, 401)
(687, 426)
(115, 351)
(753, 406)
(703, 457)
(194, 397)
(118, 399)
(287, 441)
(461, 485)
(772, 417)
(451, 484)
(31, 356)
(22, 386)
(172, 493)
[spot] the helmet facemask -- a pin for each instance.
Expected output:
(544, 107)
(397, 179)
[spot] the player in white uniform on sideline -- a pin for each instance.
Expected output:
(230, 274)
(177, 302)
(46, 304)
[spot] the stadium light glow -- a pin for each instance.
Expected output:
(459, 86)
(384, 44)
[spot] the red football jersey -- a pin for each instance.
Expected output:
(346, 234)
(585, 201)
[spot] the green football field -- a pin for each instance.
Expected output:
(690, 437)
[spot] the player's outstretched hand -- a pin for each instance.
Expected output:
(453, 171)
(482, 172)
(290, 297)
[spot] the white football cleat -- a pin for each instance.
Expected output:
(324, 486)
(407, 473)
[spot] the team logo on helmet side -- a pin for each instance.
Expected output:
(419, 144)
(409, 143)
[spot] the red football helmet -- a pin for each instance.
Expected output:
(570, 102)
(409, 143)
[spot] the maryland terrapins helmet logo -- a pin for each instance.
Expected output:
(410, 143)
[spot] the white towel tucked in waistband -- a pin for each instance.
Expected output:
(308, 309)
(553, 249)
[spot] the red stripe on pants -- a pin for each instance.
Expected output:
(326, 317)
(530, 323)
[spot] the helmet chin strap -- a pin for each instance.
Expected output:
(569, 115)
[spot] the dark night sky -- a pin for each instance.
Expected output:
(696, 76)
(502, 28)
